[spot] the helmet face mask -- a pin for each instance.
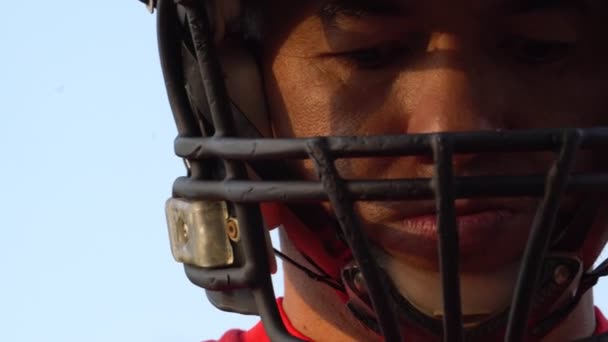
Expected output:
(234, 168)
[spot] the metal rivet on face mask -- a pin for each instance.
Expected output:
(232, 229)
(561, 274)
(359, 282)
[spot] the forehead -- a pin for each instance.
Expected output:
(319, 15)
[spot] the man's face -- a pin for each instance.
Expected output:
(371, 67)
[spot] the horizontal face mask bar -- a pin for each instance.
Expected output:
(381, 190)
(385, 146)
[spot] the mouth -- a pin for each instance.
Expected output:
(499, 229)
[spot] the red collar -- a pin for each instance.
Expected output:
(258, 334)
(601, 325)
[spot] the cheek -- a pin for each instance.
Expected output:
(299, 98)
(572, 103)
(573, 97)
(312, 97)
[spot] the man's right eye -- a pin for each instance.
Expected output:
(375, 57)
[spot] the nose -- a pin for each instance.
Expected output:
(445, 94)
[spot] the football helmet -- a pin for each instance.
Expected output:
(234, 180)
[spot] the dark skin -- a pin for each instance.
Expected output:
(401, 67)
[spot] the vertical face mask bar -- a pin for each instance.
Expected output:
(540, 236)
(257, 267)
(448, 239)
(342, 204)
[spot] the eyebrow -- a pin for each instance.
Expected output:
(330, 10)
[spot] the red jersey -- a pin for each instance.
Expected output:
(258, 334)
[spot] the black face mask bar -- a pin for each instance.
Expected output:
(250, 271)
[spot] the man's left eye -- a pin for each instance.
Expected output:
(535, 52)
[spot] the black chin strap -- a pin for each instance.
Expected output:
(319, 276)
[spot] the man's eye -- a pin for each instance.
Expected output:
(535, 52)
(375, 57)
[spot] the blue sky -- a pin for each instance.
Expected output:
(87, 163)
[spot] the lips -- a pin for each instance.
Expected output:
(472, 228)
(487, 235)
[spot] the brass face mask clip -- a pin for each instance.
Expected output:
(200, 232)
